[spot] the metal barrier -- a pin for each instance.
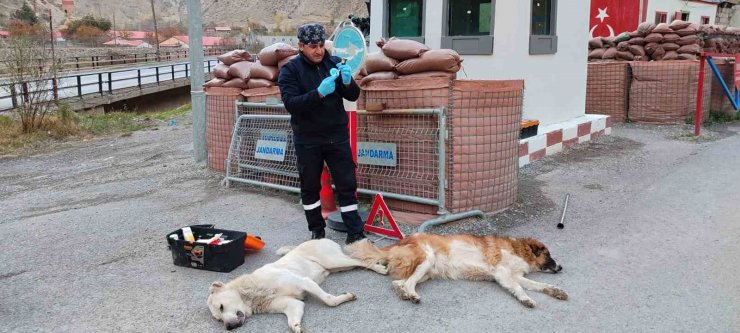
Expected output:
(81, 84)
(403, 159)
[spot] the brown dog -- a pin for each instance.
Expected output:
(463, 257)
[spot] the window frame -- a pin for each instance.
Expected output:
(544, 44)
(663, 15)
(387, 21)
(467, 45)
(705, 17)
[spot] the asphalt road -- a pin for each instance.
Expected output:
(651, 242)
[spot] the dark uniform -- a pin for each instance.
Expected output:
(321, 135)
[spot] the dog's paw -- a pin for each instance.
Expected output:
(528, 303)
(380, 269)
(297, 328)
(556, 293)
(400, 289)
(351, 296)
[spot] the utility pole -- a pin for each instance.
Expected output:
(115, 34)
(156, 31)
(53, 57)
(197, 96)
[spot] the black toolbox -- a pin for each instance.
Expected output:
(218, 258)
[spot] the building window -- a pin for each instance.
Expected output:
(661, 17)
(705, 20)
(405, 19)
(541, 17)
(469, 18)
(684, 16)
(468, 26)
(679, 15)
(543, 38)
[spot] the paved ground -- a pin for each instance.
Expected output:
(650, 243)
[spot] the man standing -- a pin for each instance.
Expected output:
(313, 97)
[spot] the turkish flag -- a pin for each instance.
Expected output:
(612, 17)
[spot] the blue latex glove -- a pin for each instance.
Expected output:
(328, 85)
(346, 72)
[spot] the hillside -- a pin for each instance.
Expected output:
(136, 14)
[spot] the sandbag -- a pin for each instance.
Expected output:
(623, 37)
(422, 75)
(259, 71)
(232, 57)
(215, 82)
(235, 83)
(404, 49)
(658, 53)
(259, 83)
(733, 31)
(285, 60)
(240, 69)
(379, 62)
(687, 56)
(444, 60)
(625, 55)
(689, 49)
(686, 31)
(670, 55)
(670, 38)
(271, 55)
(596, 54)
(646, 28)
(637, 41)
(623, 46)
(678, 24)
(637, 50)
(670, 46)
(663, 28)
(688, 40)
(221, 71)
(651, 47)
(608, 41)
(378, 76)
(610, 53)
(654, 38)
(635, 34)
(596, 43)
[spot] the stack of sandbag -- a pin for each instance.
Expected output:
(236, 68)
(720, 39)
(679, 40)
(408, 59)
(230, 72)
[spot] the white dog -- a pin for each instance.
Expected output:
(279, 287)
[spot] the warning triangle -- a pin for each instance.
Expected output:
(381, 211)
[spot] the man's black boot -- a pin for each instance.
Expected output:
(351, 238)
(318, 234)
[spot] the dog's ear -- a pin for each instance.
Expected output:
(215, 286)
(537, 249)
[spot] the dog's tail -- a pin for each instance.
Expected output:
(366, 252)
(284, 250)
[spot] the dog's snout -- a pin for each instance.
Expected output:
(240, 314)
(231, 326)
(558, 268)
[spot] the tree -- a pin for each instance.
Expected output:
(29, 76)
(169, 31)
(21, 29)
(25, 14)
(88, 34)
(99, 23)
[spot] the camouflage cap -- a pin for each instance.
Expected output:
(311, 33)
